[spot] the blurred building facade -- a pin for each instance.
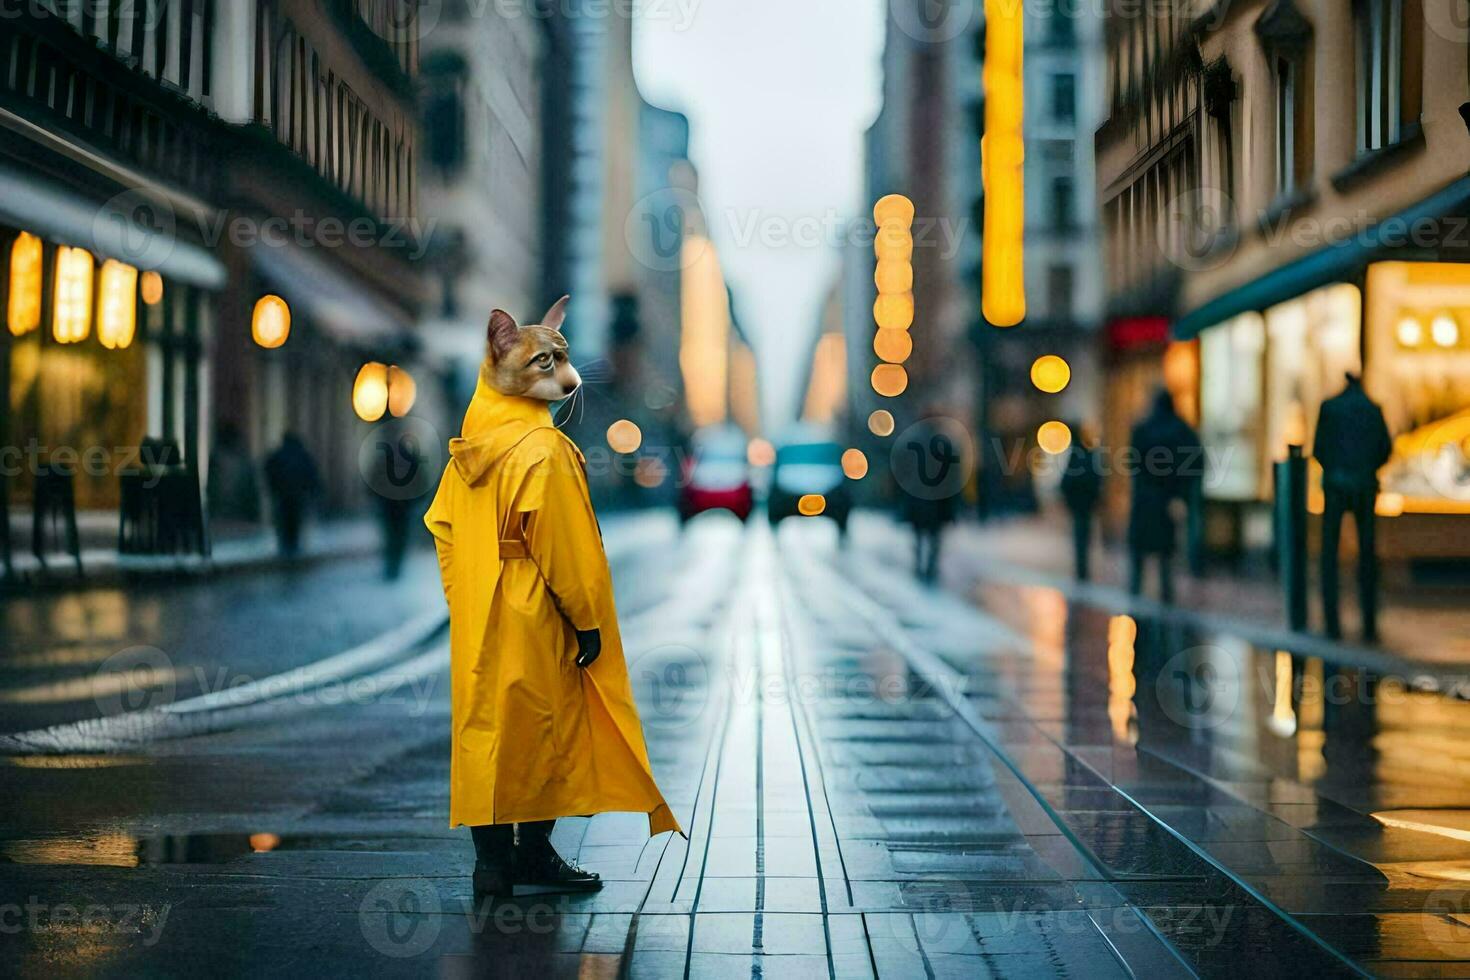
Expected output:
(480, 184)
(1288, 192)
(165, 167)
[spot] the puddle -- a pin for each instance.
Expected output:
(116, 850)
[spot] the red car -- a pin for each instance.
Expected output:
(716, 476)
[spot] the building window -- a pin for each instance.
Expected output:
(1285, 126)
(1380, 72)
(1063, 194)
(1059, 291)
(1064, 97)
(1061, 27)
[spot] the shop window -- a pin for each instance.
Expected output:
(1232, 358)
(1418, 369)
(1380, 72)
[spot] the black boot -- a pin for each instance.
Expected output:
(494, 860)
(540, 868)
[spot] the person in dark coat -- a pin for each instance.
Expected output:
(1081, 489)
(293, 480)
(1167, 463)
(1352, 444)
(929, 513)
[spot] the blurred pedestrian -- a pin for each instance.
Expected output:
(929, 513)
(1167, 461)
(1081, 489)
(1352, 444)
(397, 499)
(294, 483)
(233, 493)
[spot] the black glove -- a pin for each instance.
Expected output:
(589, 647)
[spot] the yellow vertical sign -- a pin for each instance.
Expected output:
(1003, 159)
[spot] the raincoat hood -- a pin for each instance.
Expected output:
(493, 426)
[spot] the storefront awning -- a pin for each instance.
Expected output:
(34, 204)
(337, 303)
(1336, 262)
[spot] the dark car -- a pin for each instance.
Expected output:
(716, 476)
(809, 470)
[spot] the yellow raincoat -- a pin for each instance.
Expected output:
(535, 736)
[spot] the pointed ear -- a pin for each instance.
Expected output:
(557, 315)
(502, 333)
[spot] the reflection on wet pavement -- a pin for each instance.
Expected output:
(878, 779)
(1336, 796)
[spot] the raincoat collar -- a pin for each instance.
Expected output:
(493, 425)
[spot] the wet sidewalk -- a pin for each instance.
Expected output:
(235, 548)
(1429, 624)
(878, 779)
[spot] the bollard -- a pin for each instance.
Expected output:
(1291, 534)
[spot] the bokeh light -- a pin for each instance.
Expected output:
(880, 423)
(854, 464)
(893, 276)
(894, 311)
(1051, 373)
(24, 305)
(1054, 437)
(1002, 161)
(151, 287)
(117, 305)
(893, 346)
(624, 436)
(811, 505)
(895, 208)
(403, 391)
(72, 316)
(760, 452)
(890, 380)
(271, 324)
(370, 391)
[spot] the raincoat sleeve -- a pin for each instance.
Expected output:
(438, 521)
(562, 535)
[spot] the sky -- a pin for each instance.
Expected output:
(778, 94)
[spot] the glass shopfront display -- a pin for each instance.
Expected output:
(1418, 369)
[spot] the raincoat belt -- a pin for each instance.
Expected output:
(513, 548)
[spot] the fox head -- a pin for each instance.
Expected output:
(530, 361)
